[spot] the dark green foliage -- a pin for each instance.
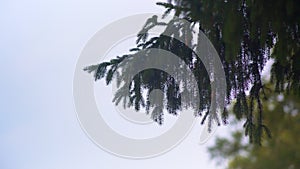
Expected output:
(244, 33)
(282, 151)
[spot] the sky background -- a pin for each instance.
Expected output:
(40, 42)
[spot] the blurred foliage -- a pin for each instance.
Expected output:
(245, 33)
(282, 151)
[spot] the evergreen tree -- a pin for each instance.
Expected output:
(245, 33)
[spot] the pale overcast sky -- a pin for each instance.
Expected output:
(40, 44)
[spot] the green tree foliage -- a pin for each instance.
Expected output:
(245, 33)
(282, 151)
